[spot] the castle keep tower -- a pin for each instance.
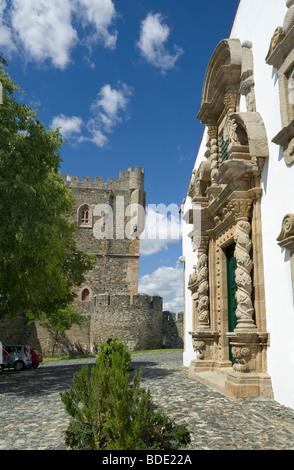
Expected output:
(110, 219)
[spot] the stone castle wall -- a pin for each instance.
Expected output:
(138, 324)
(114, 308)
(141, 326)
(173, 330)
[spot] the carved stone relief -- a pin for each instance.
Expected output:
(226, 189)
(281, 56)
(286, 241)
(278, 37)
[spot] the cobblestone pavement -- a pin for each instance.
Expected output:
(32, 415)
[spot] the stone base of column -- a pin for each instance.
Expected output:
(248, 385)
(248, 378)
(204, 341)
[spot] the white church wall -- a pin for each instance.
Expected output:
(189, 260)
(256, 21)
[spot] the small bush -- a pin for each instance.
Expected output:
(109, 413)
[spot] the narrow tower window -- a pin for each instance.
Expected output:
(85, 295)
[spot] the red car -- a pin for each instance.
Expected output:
(37, 357)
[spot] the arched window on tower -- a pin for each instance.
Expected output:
(85, 295)
(84, 215)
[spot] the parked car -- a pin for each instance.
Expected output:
(20, 356)
(5, 360)
(36, 356)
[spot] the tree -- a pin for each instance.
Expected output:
(39, 261)
(110, 414)
(58, 322)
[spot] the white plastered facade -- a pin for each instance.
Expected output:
(256, 22)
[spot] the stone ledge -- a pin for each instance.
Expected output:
(215, 380)
(238, 386)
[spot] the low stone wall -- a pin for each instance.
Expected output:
(140, 324)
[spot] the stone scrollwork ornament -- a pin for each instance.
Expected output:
(287, 227)
(199, 346)
(242, 356)
(286, 237)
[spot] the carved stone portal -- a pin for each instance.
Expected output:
(228, 189)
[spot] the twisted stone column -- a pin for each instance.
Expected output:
(245, 310)
(213, 156)
(202, 284)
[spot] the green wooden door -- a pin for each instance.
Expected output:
(232, 289)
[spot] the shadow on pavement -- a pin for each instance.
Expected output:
(55, 377)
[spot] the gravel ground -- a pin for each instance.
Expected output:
(32, 415)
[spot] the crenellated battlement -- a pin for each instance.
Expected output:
(140, 301)
(128, 180)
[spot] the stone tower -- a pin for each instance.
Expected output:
(110, 219)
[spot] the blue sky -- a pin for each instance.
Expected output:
(123, 79)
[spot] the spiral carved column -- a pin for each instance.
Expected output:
(245, 310)
(213, 157)
(202, 285)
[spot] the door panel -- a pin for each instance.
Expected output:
(232, 289)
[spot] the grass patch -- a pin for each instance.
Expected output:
(87, 356)
(157, 351)
(67, 358)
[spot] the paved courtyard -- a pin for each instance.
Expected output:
(33, 418)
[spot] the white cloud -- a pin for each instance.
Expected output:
(109, 109)
(153, 36)
(168, 283)
(44, 30)
(162, 227)
(6, 40)
(101, 14)
(174, 305)
(69, 126)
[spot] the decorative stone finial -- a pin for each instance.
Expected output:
(289, 18)
(248, 44)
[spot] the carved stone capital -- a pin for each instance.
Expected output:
(286, 237)
(212, 132)
(230, 101)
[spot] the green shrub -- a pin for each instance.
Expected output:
(109, 413)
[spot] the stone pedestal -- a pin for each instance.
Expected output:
(247, 379)
(249, 385)
(203, 343)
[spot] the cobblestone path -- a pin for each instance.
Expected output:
(32, 415)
